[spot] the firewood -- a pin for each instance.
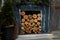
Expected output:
(34, 16)
(22, 24)
(23, 29)
(39, 15)
(27, 20)
(32, 24)
(35, 31)
(31, 21)
(35, 28)
(23, 20)
(40, 27)
(30, 16)
(39, 18)
(26, 23)
(35, 20)
(22, 13)
(38, 32)
(25, 17)
(38, 23)
(35, 25)
(27, 26)
(27, 30)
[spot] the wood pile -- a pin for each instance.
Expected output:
(31, 23)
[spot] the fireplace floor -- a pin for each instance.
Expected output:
(55, 35)
(36, 37)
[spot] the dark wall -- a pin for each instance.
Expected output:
(55, 20)
(55, 17)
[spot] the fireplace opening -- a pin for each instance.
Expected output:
(31, 22)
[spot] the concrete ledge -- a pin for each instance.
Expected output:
(35, 36)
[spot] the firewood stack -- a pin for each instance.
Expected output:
(31, 23)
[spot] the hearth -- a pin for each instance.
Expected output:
(32, 19)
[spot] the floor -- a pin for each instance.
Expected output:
(55, 36)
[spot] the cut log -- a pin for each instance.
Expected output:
(31, 21)
(22, 24)
(22, 13)
(34, 16)
(39, 18)
(26, 23)
(23, 20)
(30, 16)
(25, 17)
(39, 15)
(35, 20)
(38, 23)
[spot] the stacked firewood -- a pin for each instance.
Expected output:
(31, 23)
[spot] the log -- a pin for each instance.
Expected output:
(38, 23)
(34, 16)
(39, 15)
(23, 20)
(27, 30)
(22, 24)
(23, 29)
(27, 20)
(30, 16)
(35, 20)
(26, 23)
(35, 25)
(22, 13)
(31, 21)
(38, 32)
(25, 17)
(39, 18)
(32, 24)
(40, 27)
(29, 24)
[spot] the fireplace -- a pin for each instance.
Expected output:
(32, 19)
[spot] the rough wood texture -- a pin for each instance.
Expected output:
(25, 16)
(23, 20)
(34, 16)
(31, 24)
